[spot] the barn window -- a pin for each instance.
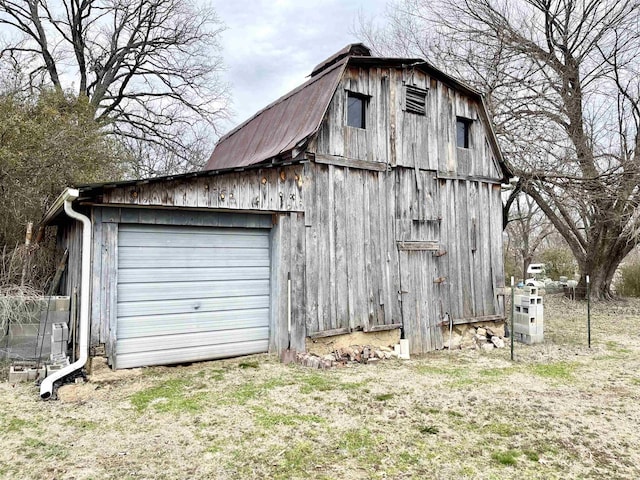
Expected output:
(415, 100)
(463, 128)
(356, 110)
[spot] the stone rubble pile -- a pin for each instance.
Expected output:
(345, 355)
(478, 336)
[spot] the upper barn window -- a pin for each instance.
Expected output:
(463, 132)
(415, 100)
(356, 110)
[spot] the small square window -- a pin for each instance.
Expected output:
(356, 110)
(463, 127)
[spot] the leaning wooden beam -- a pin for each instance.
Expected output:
(381, 328)
(330, 333)
(463, 321)
(428, 245)
(351, 163)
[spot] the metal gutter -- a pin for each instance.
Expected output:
(65, 200)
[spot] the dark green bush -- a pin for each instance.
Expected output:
(629, 285)
(558, 262)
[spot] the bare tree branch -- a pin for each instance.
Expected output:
(147, 67)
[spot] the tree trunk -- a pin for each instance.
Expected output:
(526, 261)
(601, 266)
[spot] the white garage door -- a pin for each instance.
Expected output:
(190, 293)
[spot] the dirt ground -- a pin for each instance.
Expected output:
(561, 410)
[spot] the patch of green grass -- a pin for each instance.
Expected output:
(503, 429)
(531, 455)
(267, 419)
(249, 364)
(215, 374)
(84, 424)
(383, 397)
(174, 395)
(454, 413)
(13, 424)
(496, 372)
(554, 371)
(429, 430)
(615, 347)
(353, 441)
(251, 391)
(296, 461)
(407, 458)
(353, 386)
(36, 448)
(507, 458)
(461, 383)
(316, 383)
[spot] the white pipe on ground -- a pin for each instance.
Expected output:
(46, 387)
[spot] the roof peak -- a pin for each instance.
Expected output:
(351, 50)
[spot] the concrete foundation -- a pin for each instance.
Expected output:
(326, 345)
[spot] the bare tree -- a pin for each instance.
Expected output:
(563, 82)
(148, 67)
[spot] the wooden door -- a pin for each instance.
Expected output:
(422, 305)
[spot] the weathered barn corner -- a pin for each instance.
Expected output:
(365, 200)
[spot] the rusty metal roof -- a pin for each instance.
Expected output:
(280, 127)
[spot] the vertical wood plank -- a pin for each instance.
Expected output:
(96, 276)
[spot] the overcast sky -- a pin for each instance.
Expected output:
(270, 46)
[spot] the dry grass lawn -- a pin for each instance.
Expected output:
(560, 410)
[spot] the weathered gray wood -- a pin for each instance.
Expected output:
(465, 321)
(298, 271)
(330, 333)
(476, 178)
(109, 281)
(381, 328)
(350, 162)
(96, 277)
(234, 190)
(418, 245)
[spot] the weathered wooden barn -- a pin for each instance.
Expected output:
(366, 199)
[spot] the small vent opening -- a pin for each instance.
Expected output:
(415, 100)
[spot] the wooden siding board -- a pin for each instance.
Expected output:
(297, 267)
(108, 333)
(340, 238)
(96, 276)
(323, 204)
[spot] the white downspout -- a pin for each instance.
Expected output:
(46, 387)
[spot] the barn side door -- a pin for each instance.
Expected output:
(422, 302)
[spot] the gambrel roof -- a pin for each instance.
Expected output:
(282, 130)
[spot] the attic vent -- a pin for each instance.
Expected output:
(415, 100)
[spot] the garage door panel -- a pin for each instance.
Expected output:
(155, 275)
(192, 322)
(190, 340)
(192, 290)
(190, 293)
(134, 228)
(134, 257)
(178, 240)
(192, 354)
(164, 307)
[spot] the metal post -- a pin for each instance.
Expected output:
(588, 312)
(513, 310)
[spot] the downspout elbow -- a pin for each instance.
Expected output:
(46, 387)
